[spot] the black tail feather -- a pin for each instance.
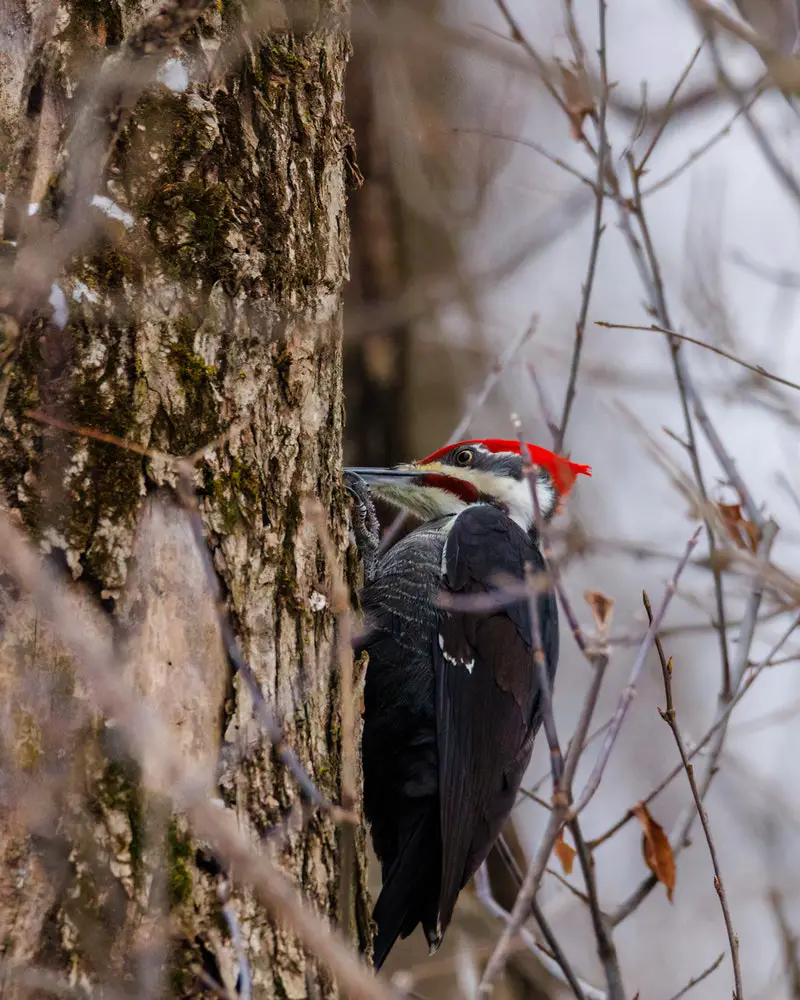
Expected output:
(410, 888)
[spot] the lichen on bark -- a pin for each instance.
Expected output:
(216, 311)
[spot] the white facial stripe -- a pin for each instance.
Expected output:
(515, 494)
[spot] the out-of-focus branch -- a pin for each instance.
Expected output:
(779, 168)
(240, 665)
(791, 955)
(183, 468)
(244, 985)
(22, 167)
(557, 966)
(541, 65)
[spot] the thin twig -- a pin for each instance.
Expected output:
(702, 149)
(542, 667)
(543, 70)
(558, 816)
(700, 746)
(717, 732)
(603, 928)
(698, 979)
(758, 369)
(668, 108)
(670, 717)
(522, 904)
(595, 777)
(558, 966)
(647, 262)
(536, 147)
(597, 228)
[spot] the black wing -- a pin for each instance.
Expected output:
(486, 692)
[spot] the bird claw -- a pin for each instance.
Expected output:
(366, 528)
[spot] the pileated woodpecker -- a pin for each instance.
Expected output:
(451, 701)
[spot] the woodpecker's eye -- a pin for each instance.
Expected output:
(464, 457)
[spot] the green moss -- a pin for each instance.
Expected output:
(190, 368)
(282, 59)
(286, 595)
(236, 494)
(101, 16)
(107, 479)
(108, 483)
(188, 210)
(199, 422)
(189, 222)
(118, 789)
(179, 856)
(27, 744)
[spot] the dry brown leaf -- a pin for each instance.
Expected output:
(565, 853)
(602, 608)
(743, 533)
(656, 849)
(578, 96)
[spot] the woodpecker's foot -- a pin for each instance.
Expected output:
(366, 529)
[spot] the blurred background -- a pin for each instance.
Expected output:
(464, 237)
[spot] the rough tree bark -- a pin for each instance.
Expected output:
(217, 305)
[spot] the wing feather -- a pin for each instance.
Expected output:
(486, 692)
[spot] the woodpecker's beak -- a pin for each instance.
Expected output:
(401, 475)
(412, 488)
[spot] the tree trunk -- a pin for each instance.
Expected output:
(215, 309)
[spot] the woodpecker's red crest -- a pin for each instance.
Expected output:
(562, 471)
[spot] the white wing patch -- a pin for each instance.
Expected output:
(456, 661)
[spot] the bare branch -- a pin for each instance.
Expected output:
(557, 966)
(670, 717)
(595, 777)
(701, 343)
(668, 108)
(597, 228)
(698, 979)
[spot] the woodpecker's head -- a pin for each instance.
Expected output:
(468, 472)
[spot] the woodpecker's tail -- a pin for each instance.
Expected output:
(410, 891)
